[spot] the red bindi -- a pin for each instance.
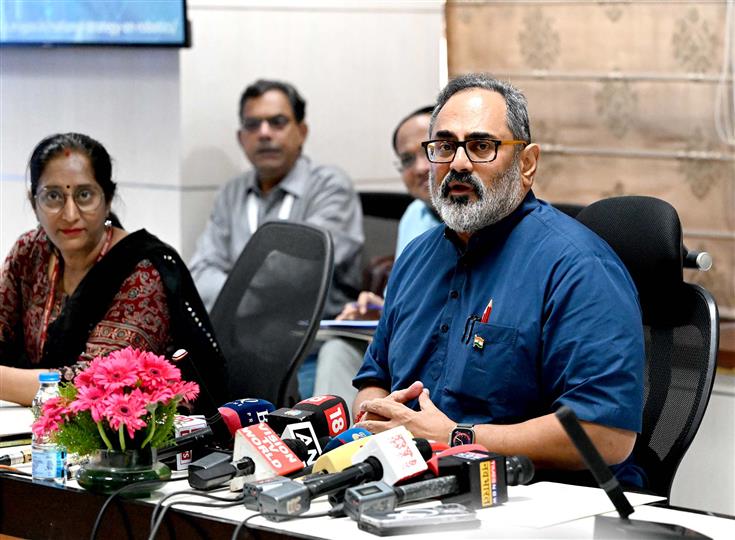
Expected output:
(67, 153)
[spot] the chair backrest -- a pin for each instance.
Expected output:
(268, 311)
(381, 213)
(570, 209)
(681, 328)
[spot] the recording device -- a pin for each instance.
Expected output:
(390, 456)
(217, 468)
(271, 455)
(476, 479)
(609, 527)
(312, 421)
(252, 490)
(415, 520)
(210, 471)
(231, 416)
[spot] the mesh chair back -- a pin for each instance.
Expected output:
(681, 328)
(268, 311)
(381, 212)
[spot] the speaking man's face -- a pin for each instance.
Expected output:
(470, 195)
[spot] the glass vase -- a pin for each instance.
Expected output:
(109, 470)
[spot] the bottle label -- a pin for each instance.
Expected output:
(48, 464)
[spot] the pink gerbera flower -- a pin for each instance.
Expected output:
(90, 398)
(45, 425)
(120, 369)
(187, 390)
(162, 394)
(127, 410)
(85, 378)
(156, 370)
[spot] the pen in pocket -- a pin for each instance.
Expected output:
(488, 310)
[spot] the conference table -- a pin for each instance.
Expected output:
(540, 510)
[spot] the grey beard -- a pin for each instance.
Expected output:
(494, 202)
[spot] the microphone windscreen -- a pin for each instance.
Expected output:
(345, 437)
(245, 412)
(270, 454)
(397, 453)
(339, 458)
(424, 447)
(331, 416)
(298, 447)
(519, 470)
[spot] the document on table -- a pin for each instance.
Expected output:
(15, 424)
(363, 330)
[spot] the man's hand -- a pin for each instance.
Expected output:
(399, 396)
(389, 412)
(368, 307)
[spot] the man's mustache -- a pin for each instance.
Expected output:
(461, 177)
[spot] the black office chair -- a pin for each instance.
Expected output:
(681, 326)
(381, 212)
(570, 209)
(268, 311)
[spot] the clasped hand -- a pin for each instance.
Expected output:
(389, 412)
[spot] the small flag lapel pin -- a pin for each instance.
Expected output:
(478, 342)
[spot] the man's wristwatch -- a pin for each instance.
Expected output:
(462, 434)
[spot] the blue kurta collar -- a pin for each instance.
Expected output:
(483, 239)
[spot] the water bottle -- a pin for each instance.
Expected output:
(48, 459)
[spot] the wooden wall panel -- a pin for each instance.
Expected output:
(622, 101)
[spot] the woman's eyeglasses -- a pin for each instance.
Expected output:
(52, 200)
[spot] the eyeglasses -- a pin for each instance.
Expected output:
(477, 150)
(252, 123)
(87, 199)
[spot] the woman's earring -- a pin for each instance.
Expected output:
(108, 223)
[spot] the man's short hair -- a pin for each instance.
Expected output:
(261, 86)
(423, 110)
(515, 101)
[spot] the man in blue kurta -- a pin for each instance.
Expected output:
(564, 326)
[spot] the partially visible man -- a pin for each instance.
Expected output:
(510, 311)
(339, 359)
(283, 185)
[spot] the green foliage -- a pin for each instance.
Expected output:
(164, 424)
(79, 435)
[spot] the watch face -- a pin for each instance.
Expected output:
(462, 435)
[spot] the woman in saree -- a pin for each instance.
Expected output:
(77, 286)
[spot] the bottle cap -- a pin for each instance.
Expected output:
(49, 376)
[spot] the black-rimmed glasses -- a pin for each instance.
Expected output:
(477, 150)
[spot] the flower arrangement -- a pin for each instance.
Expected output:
(124, 401)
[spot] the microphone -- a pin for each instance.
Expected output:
(345, 437)
(217, 468)
(230, 417)
(270, 454)
(245, 412)
(483, 476)
(311, 421)
(391, 456)
(340, 458)
(609, 527)
(593, 460)
(330, 413)
(475, 479)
